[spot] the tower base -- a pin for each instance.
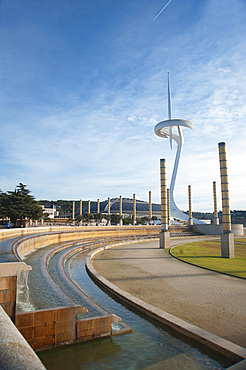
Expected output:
(227, 245)
(190, 221)
(164, 238)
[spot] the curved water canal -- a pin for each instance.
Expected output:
(147, 347)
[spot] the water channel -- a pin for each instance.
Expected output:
(147, 347)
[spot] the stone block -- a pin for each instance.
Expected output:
(50, 328)
(12, 268)
(2, 296)
(95, 327)
(50, 315)
(24, 319)
(61, 314)
(9, 308)
(10, 295)
(65, 326)
(39, 317)
(164, 238)
(227, 245)
(82, 334)
(43, 341)
(39, 331)
(27, 332)
(8, 282)
(65, 337)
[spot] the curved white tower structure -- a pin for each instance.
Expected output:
(164, 129)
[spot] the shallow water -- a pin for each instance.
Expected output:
(148, 346)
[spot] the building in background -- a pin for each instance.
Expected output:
(51, 211)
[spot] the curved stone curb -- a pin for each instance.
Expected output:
(224, 347)
(202, 267)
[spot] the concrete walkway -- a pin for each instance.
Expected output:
(209, 300)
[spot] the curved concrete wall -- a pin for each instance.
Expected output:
(226, 348)
(62, 234)
(11, 233)
(237, 229)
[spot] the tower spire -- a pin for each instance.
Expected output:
(169, 99)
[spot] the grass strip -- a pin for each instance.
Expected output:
(208, 254)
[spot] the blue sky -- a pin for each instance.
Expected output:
(84, 82)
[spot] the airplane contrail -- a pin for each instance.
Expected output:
(162, 10)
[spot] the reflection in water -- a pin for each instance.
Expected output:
(85, 356)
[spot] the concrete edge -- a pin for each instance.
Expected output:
(12, 268)
(222, 346)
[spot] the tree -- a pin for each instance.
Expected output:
(115, 218)
(88, 216)
(19, 204)
(108, 217)
(98, 216)
(127, 220)
(79, 218)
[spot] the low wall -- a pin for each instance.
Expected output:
(29, 243)
(52, 327)
(208, 229)
(11, 233)
(15, 352)
(237, 229)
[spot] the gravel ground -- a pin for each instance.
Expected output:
(212, 301)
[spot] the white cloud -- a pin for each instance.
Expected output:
(95, 136)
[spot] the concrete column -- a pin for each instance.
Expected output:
(134, 210)
(80, 207)
(216, 218)
(164, 234)
(227, 238)
(168, 208)
(73, 215)
(89, 206)
(109, 222)
(190, 221)
(150, 208)
(30, 222)
(98, 206)
(121, 222)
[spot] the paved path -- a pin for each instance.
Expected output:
(212, 301)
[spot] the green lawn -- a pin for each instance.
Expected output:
(207, 254)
